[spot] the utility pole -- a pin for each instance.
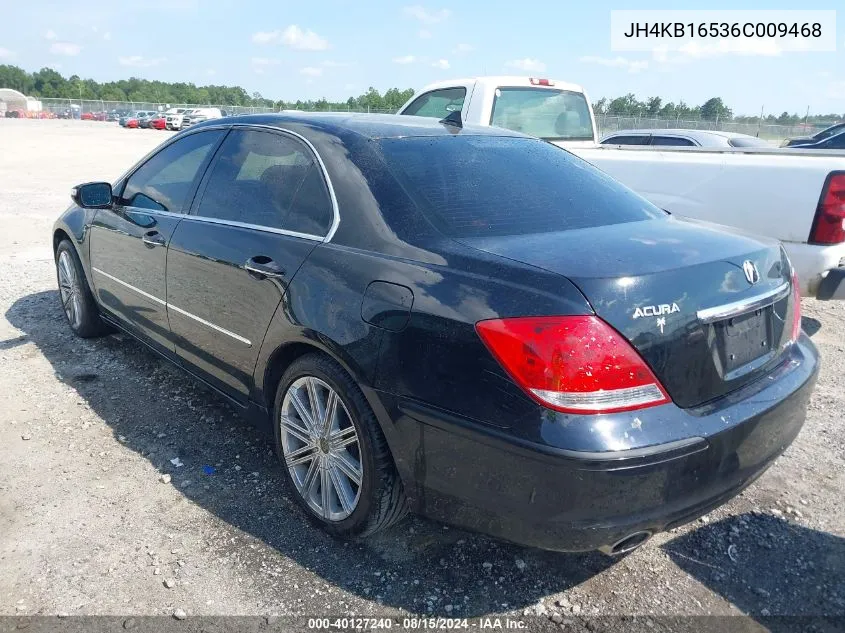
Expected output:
(760, 122)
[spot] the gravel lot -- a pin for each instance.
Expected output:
(95, 518)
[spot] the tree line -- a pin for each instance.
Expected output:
(50, 84)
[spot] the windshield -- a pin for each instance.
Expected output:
(475, 186)
(833, 129)
(558, 115)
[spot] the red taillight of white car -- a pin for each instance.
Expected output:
(828, 225)
(572, 364)
(796, 308)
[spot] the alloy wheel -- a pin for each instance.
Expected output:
(321, 448)
(69, 289)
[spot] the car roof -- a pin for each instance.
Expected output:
(496, 81)
(702, 136)
(372, 126)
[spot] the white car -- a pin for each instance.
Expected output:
(173, 118)
(198, 115)
(683, 138)
(795, 196)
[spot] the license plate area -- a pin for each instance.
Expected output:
(745, 342)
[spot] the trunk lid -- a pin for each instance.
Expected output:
(679, 291)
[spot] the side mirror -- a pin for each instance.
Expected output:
(92, 195)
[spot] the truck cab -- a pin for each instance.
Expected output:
(550, 109)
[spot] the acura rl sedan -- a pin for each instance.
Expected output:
(465, 322)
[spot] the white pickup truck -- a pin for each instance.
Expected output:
(796, 196)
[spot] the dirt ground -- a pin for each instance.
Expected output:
(89, 525)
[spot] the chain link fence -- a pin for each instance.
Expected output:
(75, 108)
(608, 123)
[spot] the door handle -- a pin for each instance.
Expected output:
(263, 267)
(153, 238)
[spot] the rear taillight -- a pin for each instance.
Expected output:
(574, 364)
(796, 308)
(828, 225)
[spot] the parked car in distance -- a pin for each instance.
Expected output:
(132, 122)
(394, 296)
(87, 116)
(144, 121)
(793, 196)
(174, 118)
(157, 122)
(836, 128)
(683, 138)
(837, 141)
(138, 115)
(198, 115)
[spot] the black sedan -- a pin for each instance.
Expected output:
(837, 141)
(466, 322)
(826, 133)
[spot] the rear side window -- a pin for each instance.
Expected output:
(672, 141)
(543, 112)
(475, 186)
(269, 180)
(165, 180)
(626, 140)
(438, 104)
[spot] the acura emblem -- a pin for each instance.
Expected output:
(751, 272)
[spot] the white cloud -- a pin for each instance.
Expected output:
(427, 16)
(425, 34)
(65, 48)
(616, 62)
(139, 61)
(304, 40)
(265, 37)
(107, 35)
(50, 35)
(405, 59)
(5, 53)
(293, 37)
(265, 61)
(442, 64)
(311, 71)
(527, 64)
(463, 48)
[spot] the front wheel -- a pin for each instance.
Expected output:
(78, 303)
(335, 458)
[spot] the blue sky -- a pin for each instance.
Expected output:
(337, 48)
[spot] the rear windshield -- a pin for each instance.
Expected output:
(475, 186)
(549, 114)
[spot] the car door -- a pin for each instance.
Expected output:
(261, 208)
(128, 243)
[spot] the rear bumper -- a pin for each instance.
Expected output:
(813, 263)
(466, 474)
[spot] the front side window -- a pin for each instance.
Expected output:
(626, 140)
(270, 180)
(553, 115)
(165, 180)
(438, 104)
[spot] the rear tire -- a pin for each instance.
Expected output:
(78, 303)
(322, 460)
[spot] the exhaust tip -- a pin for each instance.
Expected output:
(626, 544)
